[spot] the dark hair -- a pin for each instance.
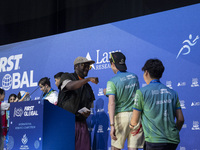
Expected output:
(58, 75)
(2, 91)
(154, 67)
(19, 96)
(45, 81)
(12, 95)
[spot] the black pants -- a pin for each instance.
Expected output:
(159, 146)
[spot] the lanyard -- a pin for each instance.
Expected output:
(155, 81)
(51, 90)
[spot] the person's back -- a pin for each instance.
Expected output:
(159, 111)
(126, 85)
(121, 91)
(158, 107)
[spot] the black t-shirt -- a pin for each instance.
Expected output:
(73, 100)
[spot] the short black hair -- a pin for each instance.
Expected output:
(58, 75)
(2, 91)
(154, 67)
(45, 81)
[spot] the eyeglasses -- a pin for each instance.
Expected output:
(86, 65)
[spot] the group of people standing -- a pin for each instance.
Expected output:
(145, 117)
(5, 113)
(49, 94)
(149, 117)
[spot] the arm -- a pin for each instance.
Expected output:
(22, 99)
(5, 106)
(16, 100)
(137, 110)
(135, 119)
(111, 110)
(73, 85)
(179, 119)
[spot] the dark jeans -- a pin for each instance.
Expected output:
(159, 146)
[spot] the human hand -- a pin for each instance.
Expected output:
(135, 129)
(16, 100)
(104, 91)
(27, 93)
(86, 113)
(94, 80)
(112, 133)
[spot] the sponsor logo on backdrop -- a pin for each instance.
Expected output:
(169, 84)
(100, 129)
(26, 112)
(100, 110)
(195, 104)
(91, 111)
(36, 144)
(195, 125)
(102, 59)
(100, 92)
(182, 148)
(11, 142)
(182, 103)
(24, 141)
(18, 112)
(15, 80)
(181, 84)
(186, 49)
(195, 82)
(184, 126)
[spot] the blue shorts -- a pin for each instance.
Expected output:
(159, 146)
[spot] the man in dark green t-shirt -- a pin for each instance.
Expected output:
(158, 107)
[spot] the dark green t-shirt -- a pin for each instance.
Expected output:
(158, 105)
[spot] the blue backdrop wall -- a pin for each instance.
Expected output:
(172, 36)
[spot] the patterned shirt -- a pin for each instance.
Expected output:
(123, 85)
(158, 105)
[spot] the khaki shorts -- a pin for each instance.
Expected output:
(123, 132)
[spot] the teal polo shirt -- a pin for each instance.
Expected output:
(123, 85)
(158, 105)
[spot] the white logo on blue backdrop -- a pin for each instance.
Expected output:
(10, 143)
(37, 144)
(195, 125)
(15, 80)
(7, 82)
(18, 112)
(24, 139)
(195, 82)
(187, 45)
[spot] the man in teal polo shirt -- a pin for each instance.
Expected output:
(121, 90)
(158, 107)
